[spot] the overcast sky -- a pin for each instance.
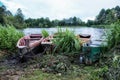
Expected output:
(59, 9)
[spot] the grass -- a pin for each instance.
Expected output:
(66, 41)
(83, 73)
(39, 75)
(45, 33)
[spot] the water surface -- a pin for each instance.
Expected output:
(96, 33)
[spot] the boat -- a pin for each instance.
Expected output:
(32, 44)
(84, 35)
(85, 39)
(29, 40)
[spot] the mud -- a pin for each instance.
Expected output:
(13, 67)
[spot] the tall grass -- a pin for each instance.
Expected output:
(66, 41)
(113, 35)
(9, 37)
(112, 60)
(45, 33)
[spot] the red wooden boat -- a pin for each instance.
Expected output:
(29, 41)
(33, 43)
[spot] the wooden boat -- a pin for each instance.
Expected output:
(84, 35)
(84, 38)
(32, 44)
(27, 41)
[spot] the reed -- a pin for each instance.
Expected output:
(66, 42)
(45, 33)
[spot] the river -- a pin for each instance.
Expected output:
(96, 33)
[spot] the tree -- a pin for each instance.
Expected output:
(8, 13)
(61, 23)
(2, 14)
(48, 22)
(74, 21)
(108, 16)
(117, 8)
(90, 22)
(19, 16)
(101, 16)
(55, 23)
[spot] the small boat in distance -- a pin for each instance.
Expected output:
(84, 38)
(84, 35)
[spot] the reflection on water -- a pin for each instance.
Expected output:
(96, 33)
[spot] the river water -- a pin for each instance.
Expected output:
(97, 34)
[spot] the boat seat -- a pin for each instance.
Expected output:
(35, 36)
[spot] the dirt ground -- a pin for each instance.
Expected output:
(11, 68)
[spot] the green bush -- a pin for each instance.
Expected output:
(113, 35)
(9, 37)
(113, 72)
(66, 42)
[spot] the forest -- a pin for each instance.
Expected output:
(105, 17)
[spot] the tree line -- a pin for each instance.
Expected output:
(18, 20)
(106, 17)
(7, 18)
(45, 22)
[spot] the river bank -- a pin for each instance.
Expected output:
(9, 69)
(31, 70)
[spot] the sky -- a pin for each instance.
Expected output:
(59, 9)
(0, 4)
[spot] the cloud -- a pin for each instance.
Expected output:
(12, 6)
(59, 9)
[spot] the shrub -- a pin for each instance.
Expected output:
(9, 37)
(113, 35)
(113, 72)
(66, 42)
